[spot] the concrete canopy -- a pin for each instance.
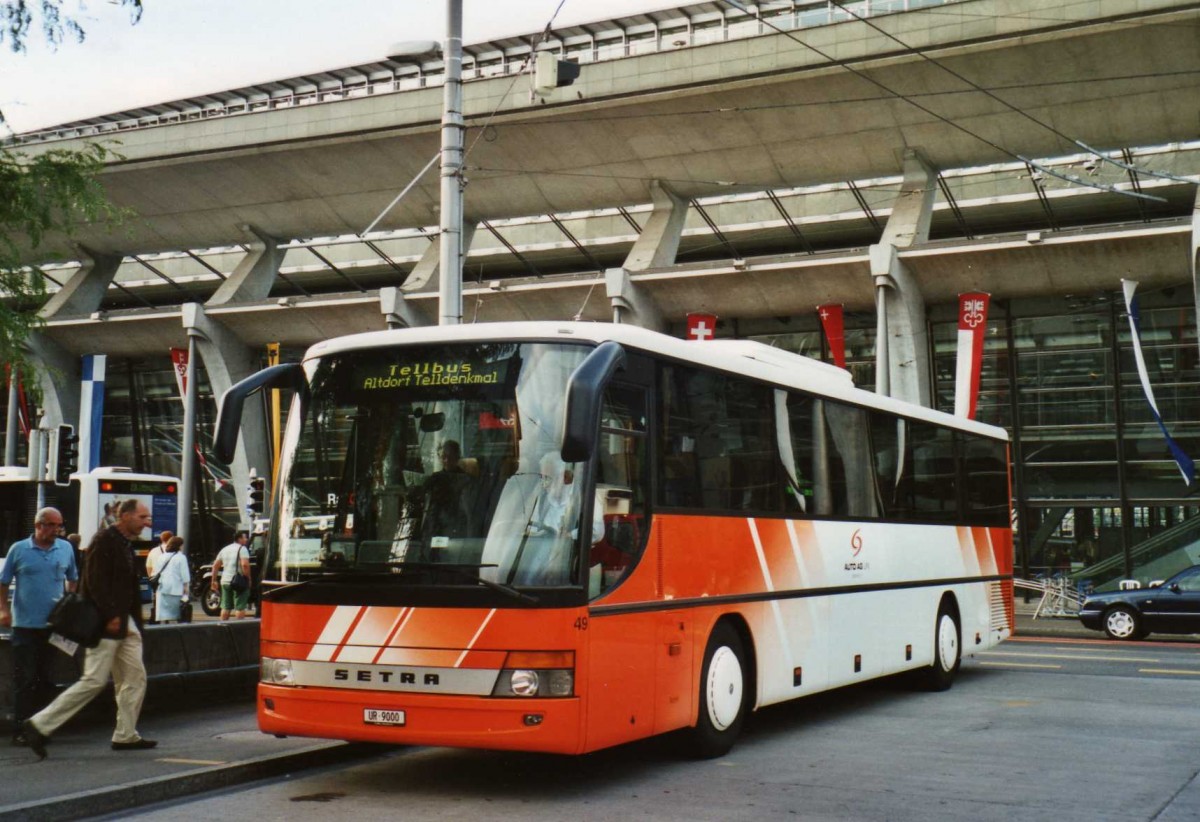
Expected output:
(1110, 74)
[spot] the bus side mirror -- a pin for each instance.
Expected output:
(585, 390)
(229, 412)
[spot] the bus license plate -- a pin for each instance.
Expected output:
(377, 716)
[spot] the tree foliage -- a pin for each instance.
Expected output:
(17, 18)
(50, 192)
(56, 191)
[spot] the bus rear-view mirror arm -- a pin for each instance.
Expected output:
(229, 411)
(585, 388)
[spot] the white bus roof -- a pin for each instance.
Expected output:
(743, 357)
(20, 473)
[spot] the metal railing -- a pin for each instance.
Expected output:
(1165, 542)
(1059, 596)
(506, 63)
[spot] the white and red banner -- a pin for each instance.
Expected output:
(972, 323)
(701, 326)
(833, 323)
(179, 359)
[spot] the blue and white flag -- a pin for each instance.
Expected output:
(91, 411)
(1186, 466)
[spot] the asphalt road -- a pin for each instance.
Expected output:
(1037, 729)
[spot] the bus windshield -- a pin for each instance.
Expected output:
(434, 465)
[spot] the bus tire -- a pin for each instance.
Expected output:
(947, 652)
(723, 695)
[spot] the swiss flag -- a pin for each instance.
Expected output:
(701, 326)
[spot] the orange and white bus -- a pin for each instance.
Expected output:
(565, 536)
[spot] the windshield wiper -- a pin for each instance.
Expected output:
(329, 576)
(463, 572)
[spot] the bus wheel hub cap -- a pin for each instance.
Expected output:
(724, 688)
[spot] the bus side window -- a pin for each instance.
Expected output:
(719, 448)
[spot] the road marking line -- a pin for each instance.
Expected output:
(1043, 640)
(1019, 665)
(1167, 671)
(1072, 656)
(177, 761)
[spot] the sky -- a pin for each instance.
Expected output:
(186, 48)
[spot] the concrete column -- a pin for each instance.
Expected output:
(254, 275)
(631, 303)
(426, 274)
(58, 374)
(228, 360)
(659, 241)
(83, 293)
(913, 210)
(907, 346)
(397, 311)
(902, 352)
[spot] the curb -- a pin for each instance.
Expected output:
(101, 801)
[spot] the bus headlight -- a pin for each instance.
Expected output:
(524, 683)
(277, 671)
(537, 673)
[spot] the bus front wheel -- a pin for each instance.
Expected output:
(722, 694)
(947, 652)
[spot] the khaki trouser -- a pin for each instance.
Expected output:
(123, 659)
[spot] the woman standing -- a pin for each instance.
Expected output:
(174, 579)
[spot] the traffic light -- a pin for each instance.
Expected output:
(64, 455)
(256, 496)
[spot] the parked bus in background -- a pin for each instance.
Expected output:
(87, 504)
(565, 536)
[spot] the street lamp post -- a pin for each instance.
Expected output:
(450, 248)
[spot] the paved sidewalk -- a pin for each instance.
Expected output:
(199, 748)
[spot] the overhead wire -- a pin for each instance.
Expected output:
(533, 46)
(862, 75)
(991, 96)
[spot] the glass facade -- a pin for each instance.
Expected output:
(142, 430)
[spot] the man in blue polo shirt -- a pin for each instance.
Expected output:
(43, 566)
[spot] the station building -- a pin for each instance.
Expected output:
(751, 164)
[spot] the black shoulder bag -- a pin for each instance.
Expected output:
(77, 618)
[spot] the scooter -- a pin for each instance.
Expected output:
(203, 593)
(210, 598)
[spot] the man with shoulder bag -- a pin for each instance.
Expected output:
(110, 581)
(43, 566)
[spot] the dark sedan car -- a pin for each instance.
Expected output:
(1170, 608)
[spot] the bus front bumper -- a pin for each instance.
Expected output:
(548, 725)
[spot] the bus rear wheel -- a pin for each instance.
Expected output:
(723, 696)
(947, 652)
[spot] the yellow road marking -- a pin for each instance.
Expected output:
(1018, 665)
(177, 761)
(1073, 656)
(1018, 703)
(1167, 671)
